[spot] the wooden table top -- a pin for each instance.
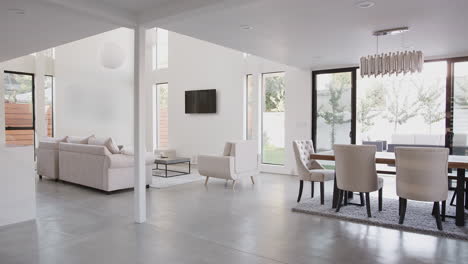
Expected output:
(455, 162)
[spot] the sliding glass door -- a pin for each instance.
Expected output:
(333, 108)
(19, 108)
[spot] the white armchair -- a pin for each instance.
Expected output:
(239, 159)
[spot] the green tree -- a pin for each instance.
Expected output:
(274, 94)
(336, 114)
(399, 110)
(369, 107)
(430, 106)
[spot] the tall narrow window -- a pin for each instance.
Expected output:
(19, 108)
(49, 104)
(160, 121)
(250, 104)
(273, 118)
(460, 109)
(161, 50)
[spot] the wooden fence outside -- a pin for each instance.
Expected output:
(20, 115)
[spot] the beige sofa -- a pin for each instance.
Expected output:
(89, 165)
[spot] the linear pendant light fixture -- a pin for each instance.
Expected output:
(393, 62)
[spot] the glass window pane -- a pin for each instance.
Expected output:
(250, 106)
(333, 109)
(161, 115)
(405, 109)
(162, 48)
(18, 99)
(273, 118)
(460, 108)
(48, 94)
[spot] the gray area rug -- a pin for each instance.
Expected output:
(160, 182)
(418, 215)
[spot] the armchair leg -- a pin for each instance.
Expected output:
(380, 198)
(444, 203)
(206, 181)
(340, 199)
(252, 179)
(368, 205)
(403, 203)
(301, 186)
(40, 177)
(312, 189)
(234, 183)
(322, 193)
(437, 215)
(361, 196)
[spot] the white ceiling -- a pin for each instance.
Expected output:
(322, 34)
(302, 33)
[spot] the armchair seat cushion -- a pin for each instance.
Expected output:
(318, 175)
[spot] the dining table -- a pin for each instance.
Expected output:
(460, 163)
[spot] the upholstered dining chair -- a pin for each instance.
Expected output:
(421, 175)
(356, 172)
(309, 169)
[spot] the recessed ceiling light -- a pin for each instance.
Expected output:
(365, 4)
(246, 27)
(17, 11)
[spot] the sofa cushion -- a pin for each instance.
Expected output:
(126, 161)
(78, 140)
(104, 141)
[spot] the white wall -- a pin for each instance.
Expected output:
(196, 64)
(92, 99)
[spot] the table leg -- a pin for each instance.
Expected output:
(335, 193)
(189, 167)
(166, 170)
(460, 215)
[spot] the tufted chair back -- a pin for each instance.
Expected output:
(302, 151)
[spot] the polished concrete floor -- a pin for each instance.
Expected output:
(195, 224)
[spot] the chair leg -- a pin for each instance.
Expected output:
(322, 192)
(437, 215)
(312, 189)
(403, 203)
(234, 183)
(301, 186)
(443, 210)
(380, 198)
(40, 177)
(361, 196)
(206, 181)
(252, 179)
(340, 199)
(345, 197)
(399, 206)
(368, 205)
(466, 194)
(433, 209)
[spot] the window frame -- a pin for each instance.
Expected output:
(449, 104)
(33, 102)
(52, 102)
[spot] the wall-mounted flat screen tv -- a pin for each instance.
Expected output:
(200, 101)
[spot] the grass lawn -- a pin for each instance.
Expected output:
(273, 155)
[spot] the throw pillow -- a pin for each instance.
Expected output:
(104, 141)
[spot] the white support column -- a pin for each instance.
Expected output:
(139, 124)
(39, 96)
(2, 106)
